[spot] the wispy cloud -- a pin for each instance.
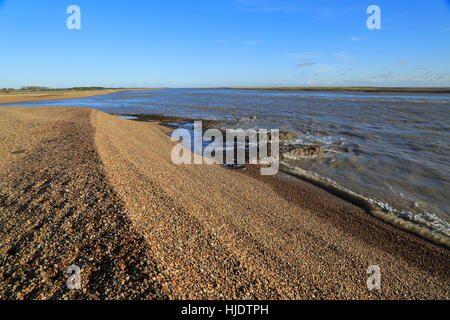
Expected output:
(317, 67)
(252, 42)
(305, 64)
(426, 77)
(306, 55)
(294, 6)
(355, 38)
(324, 68)
(403, 62)
(381, 76)
(333, 12)
(343, 55)
(266, 6)
(390, 79)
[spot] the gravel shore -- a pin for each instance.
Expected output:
(80, 187)
(26, 96)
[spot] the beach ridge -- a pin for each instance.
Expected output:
(17, 96)
(83, 187)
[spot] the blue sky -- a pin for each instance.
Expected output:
(198, 43)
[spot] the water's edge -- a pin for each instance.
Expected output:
(389, 151)
(373, 207)
(370, 206)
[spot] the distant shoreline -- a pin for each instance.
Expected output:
(14, 96)
(350, 89)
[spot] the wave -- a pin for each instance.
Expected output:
(424, 225)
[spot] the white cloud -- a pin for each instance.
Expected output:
(355, 39)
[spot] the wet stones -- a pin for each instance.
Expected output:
(235, 167)
(287, 135)
(306, 151)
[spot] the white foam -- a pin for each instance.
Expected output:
(424, 219)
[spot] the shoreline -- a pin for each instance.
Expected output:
(369, 205)
(419, 229)
(416, 228)
(192, 232)
(57, 95)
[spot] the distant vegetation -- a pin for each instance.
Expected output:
(32, 88)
